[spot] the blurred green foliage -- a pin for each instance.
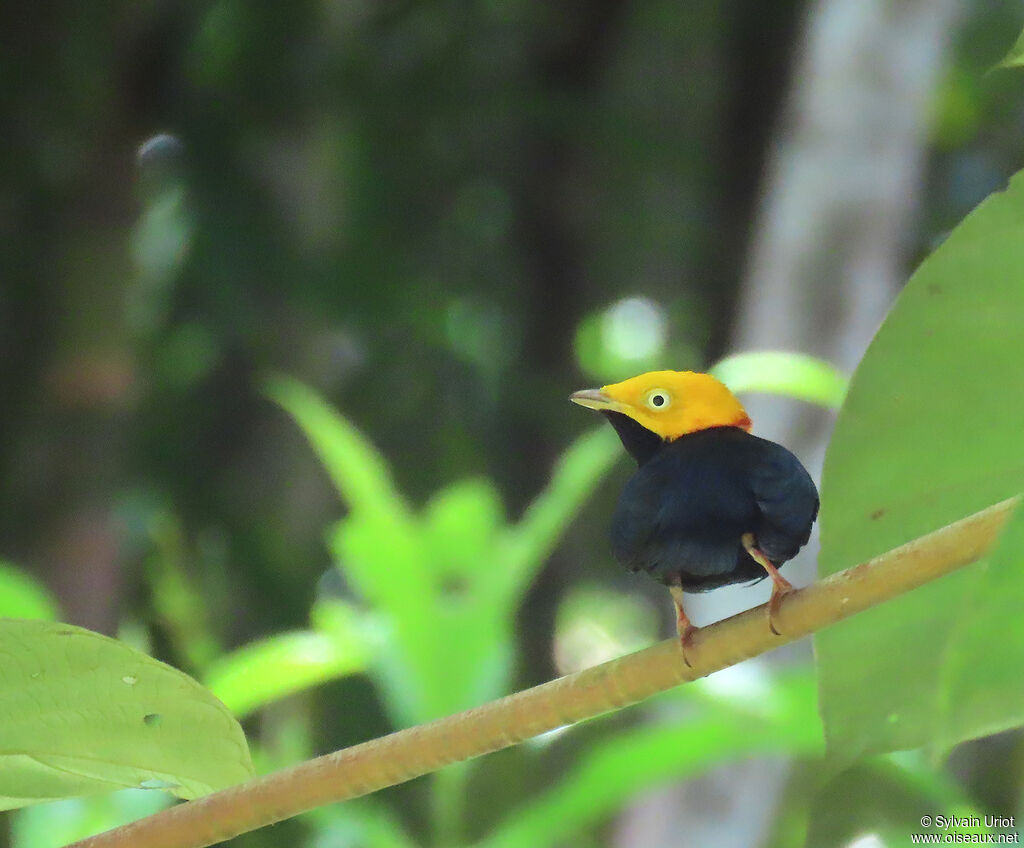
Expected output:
(1015, 57)
(436, 592)
(443, 585)
(430, 616)
(427, 605)
(443, 218)
(21, 596)
(790, 374)
(62, 822)
(263, 671)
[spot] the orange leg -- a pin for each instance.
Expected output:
(781, 587)
(683, 626)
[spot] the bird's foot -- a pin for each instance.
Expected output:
(683, 626)
(781, 586)
(685, 642)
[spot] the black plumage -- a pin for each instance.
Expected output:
(683, 513)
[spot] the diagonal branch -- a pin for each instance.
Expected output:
(416, 751)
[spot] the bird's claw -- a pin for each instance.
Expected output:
(685, 638)
(781, 586)
(779, 591)
(683, 626)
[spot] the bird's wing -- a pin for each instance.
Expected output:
(637, 519)
(666, 526)
(788, 501)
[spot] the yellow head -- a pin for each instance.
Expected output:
(670, 404)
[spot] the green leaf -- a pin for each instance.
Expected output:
(23, 597)
(444, 640)
(576, 474)
(635, 760)
(930, 432)
(263, 671)
(986, 638)
(887, 795)
(81, 713)
(379, 515)
(1015, 57)
(461, 522)
(389, 571)
(396, 581)
(792, 374)
(359, 473)
(179, 603)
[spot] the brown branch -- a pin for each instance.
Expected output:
(416, 751)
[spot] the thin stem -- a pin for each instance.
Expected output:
(419, 750)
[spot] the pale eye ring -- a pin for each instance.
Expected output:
(658, 399)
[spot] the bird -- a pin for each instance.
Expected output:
(709, 504)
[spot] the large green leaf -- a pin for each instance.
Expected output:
(930, 432)
(81, 713)
(986, 639)
(888, 795)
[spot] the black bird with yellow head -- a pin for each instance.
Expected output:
(710, 504)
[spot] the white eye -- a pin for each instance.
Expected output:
(658, 399)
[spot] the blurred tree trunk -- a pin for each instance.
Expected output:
(74, 458)
(827, 257)
(830, 248)
(70, 372)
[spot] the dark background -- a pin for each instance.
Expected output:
(417, 208)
